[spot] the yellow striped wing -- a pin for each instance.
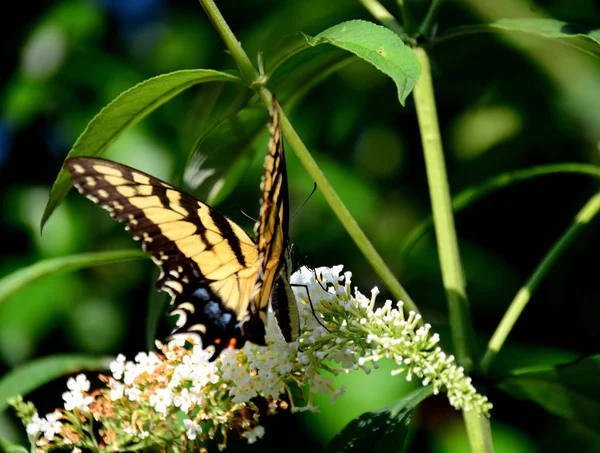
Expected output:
(208, 263)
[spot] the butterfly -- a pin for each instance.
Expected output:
(220, 279)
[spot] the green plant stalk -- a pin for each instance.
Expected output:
(443, 219)
(408, 20)
(249, 72)
(341, 211)
(476, 425)
(478, 431)
(254, 79)
(432, 13)
(583, 217)
(475, 193)
(379, 12)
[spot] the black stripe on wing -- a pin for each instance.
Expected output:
(185, 237)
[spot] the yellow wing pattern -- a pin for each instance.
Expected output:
(220, 280)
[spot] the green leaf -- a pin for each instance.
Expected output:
(221, 156)
(8, 447)
(377, 45)
(284, 50)
(298, 76)
(126, 110)
(11, 283)
(379, 431)
(580, 37)
(473, 194)
(32, 375)
(570, 391)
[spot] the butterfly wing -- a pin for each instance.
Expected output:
(271, 230)
(208, 264)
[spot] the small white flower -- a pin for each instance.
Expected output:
(51, 425)
(254, 434)
(117, 390)
(35, 427)
(192, 429)
(161, 400)
(76, 399)
(118, 366)
(133, 394)
(185, 400)
(79, 384)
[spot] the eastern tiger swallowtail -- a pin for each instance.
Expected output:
(221, 281)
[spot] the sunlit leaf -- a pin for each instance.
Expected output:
(11, 283)
(583, 38)
(379, 431)
(377, 45)
(126, 110)
(28, 377)
(570, 391)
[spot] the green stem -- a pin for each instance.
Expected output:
(379, 12)
(344, 215)
(359, 237)
(475, 193)
(432, 13)
(441, 204)
(249, 72)
(583, 217)
(479, 432)
(408, 20)
(476, 425)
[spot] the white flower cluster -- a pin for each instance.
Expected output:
(357, 333)
(179, 394)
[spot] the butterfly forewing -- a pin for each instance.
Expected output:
(208, 263)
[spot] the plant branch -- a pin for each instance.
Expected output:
(428, 22)
(249, 72)
(341, 211)
(478, 431)
(252, 77)
(379, 12)
(441, 204)
(583, 217)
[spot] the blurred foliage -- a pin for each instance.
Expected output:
(500, 110)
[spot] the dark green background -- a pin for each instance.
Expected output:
(64, 60)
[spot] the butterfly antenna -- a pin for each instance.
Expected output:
(312, 307)
(305, 201)
(245, 215)
(311, 266)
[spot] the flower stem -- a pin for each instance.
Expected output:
(441, 204)
(251, 75)
(583, 217)
(478, 431)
